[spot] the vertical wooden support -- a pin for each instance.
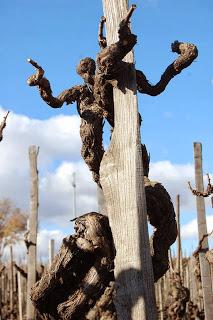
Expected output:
(74, 195)
(8, 285)
(1, 292)
(11, 284)
(121, 175)
(179, 249)
(24, 294)
(51, 251)
(202, 230)
(101, 201)
(4, 287)
(187, 282)
(166, 285)
(194, 287)
(20, 297)
(33, 226)
(211, 267)
(160, 284)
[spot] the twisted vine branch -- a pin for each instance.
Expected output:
(161, 216)
(95, 97)
(187, 54)
(207, 193)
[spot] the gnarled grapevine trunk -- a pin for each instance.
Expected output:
(80, 273)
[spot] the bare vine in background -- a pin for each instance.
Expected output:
(207, 193)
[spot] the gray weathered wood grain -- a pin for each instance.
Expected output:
(122, 183)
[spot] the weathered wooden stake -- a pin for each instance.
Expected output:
(101, 201)
(179, 248)
(33, 226)
(187, 283)
(11, 284)
(202, 230)
(20, 296)
(160, 287)
(122, 182)
(2, 290)
(51, 251)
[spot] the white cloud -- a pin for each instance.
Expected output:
(58, 138)
(56, 193)
(190, 230)
(174, 177)
(59, 156)
(44, 236)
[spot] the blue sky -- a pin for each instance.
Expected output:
(59, 33)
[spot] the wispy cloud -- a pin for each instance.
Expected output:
(59, 157)
(175, 177)
(190, 230)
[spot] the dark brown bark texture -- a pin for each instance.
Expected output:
(79, 274)
(79, 284)
(193, 312)
(95, 97)
(178, 305)
(178, 297)
(161, 216)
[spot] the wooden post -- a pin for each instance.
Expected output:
(11, 284)
(33, 226)
(160, 284)
(121, 176)
(211, 266)
(4, 287)
(51, 251)
(202, 230)
(101, 201)
(74, 195)
(187, 283)
(179, 248)
(20, 296)
(2, 292)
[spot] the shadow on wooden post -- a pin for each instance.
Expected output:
(121, 175)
